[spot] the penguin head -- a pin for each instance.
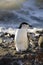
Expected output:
(24, 25)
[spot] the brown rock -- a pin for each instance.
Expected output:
(0, 40)
(40, 42)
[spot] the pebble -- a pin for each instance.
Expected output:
(6, 35)
(7, 40)
(1, 40)
(40, 42)
(1, 34)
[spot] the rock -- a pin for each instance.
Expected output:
(11, 31)
(6, 35)
(32, 43)
(17, 63)
(1, 40)
(39, 56)
(40, 42)
(12, 36)
(7, 39)
(40, 32)
(5, 45)
(1, 34)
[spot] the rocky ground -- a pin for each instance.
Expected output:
(9, 55)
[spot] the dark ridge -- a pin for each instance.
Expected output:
(36, 18)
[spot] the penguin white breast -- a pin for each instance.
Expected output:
(21, 41)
